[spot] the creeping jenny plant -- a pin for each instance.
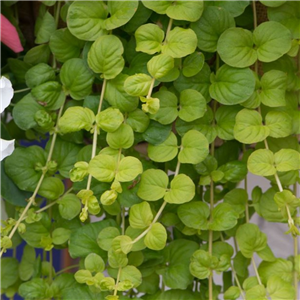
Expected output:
(154, 112)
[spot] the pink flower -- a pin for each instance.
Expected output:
(9, 36)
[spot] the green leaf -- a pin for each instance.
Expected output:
(257, 292)
(272, 39)
(182, 190)
(266, 254)
(248, 128)
(286, 198)
(160, 65)
(76, 78)
(86, 20)
(47, 27)
(137, 85)
(280, 267)
(234, 171)
(279, 123)
(261, 162)
(165, 151)
(27, 264)
(69, 206)
(194, 215)
(153, 185)
(272, 3)
(50, 94)
(140, 215)
(10, 192)
(128, 169)
(237, 198)
(279, 289)
(156, 238)
(273, 85)
(177, 255)
(105, 56)
(83, 241)
(235, 47)
(9, 271)
(132, 274)
(20, 166)
(193, 64)
(250, 239)
(117, 260)
(120, 12)
(138, 120)
(84, 276)
(149, 38)
(224, 217)
(167, 112)
(116, 96)
(24, 112)
(185, 10)
(232, 293)
(102, 167)
(60, 235)
(123, 137)
(18, 68)
(64, 45)
(201, 264)
(192, 105)
(33, 289)
(159, 7)
(76, 118)
(194, 147)
(106, 237)
(235, 8)
(180, 42)
(225, 117)
(156, 133)
(94, 263)
(232, 86)
(38, 54)
(39, 74)
(52, 188)
(288, 15)
(286, 160)
(109, 119)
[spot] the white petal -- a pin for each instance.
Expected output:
(7, 93)
(6, 148)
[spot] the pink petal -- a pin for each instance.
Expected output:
(9, 36)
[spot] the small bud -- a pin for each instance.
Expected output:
(22, 228)
(83, 215)
(151, 105)
(6, 242)
(116, 186)
(44, 120)
(108, 197)
(79, 171)
(52, 167)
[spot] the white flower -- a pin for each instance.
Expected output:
(6, 148)
(7, 93)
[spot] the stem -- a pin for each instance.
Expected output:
(295, 273)
(32, 198)
(246, 189)
(66, 269)
(255, 270)
(118, 279)
(57, 13)
(255, 25)
(168, 31)
(151, 88)
(150, 226)
(237, 281)
(123, 220)
(95, 135)
(50, 266)
(22, 90)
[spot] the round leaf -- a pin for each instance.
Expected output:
(128, 169)
(140, 215)
(94, 263)
(232, 86)
(103, 167)
(69, 206)
(182, 190)
(156, 238)
(123, 137)
(109, 119)
(105, 56)
(261, 162)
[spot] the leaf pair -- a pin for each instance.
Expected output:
(193, 149)
(154, 186)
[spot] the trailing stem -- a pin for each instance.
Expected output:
(158, 213)
(95, 134)
(44, 171)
